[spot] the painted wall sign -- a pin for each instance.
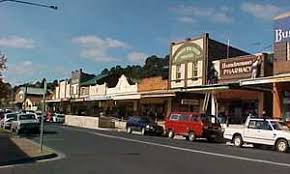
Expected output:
(240, 68)
(188, 51)
(282, 30)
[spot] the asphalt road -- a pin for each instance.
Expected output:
(103, 152)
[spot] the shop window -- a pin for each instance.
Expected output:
(178, 72)
(288, 51)
(71, 90)
(195, 70)
(286, 105)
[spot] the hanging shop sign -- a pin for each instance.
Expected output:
(240, 68)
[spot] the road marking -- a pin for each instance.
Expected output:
(195, 151)
(183, 149)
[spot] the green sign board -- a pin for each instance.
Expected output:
(187, 52)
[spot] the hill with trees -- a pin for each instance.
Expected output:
(154, 66)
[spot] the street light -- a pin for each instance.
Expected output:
(32, 3)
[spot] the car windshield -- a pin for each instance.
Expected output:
(8, 116)
(278, 125)
(27, 117)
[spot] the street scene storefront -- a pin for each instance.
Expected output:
(238, 101)
(202, 79)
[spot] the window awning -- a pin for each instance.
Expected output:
(269, 79)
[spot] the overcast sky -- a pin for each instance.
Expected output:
(94, 34)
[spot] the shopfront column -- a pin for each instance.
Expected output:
(261, 104)
(169, 106)
(214, 104)
(135, 106)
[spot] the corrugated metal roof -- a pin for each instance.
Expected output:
(33, 91)
(94, 80)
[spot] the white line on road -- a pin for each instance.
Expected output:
(186, 149)
(196, 151)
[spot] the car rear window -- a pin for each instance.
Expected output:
(11, 115)
(27, 117)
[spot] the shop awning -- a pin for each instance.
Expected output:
(207, 88)
(156, 94)
(97, 98)
(77, 99)
(269, 79)
(127, 97)
(53, 101)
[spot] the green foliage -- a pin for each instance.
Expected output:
(3, 61)
(154, 66)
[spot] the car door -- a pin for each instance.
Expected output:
(196, 125)
(265, 133)
(172, 122)
(251, 131)
(184, 124)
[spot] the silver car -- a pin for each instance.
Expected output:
(5, 123)
(25, 122)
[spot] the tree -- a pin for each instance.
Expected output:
(154, 66)
(105, 71)
(5, 88)
(3, 61)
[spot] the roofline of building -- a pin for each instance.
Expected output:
(283, 15)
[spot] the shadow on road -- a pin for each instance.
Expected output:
(33, 134)
(10, 153)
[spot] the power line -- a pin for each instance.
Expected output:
(31, 3)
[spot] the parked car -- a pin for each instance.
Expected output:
(5, 122)
(258, 132)
(24, 123)
(193, 125)
(38, 115)
(58, 118)
(144, 125)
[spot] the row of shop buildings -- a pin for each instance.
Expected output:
(204, 76)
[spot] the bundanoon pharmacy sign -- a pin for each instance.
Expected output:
(237, 68)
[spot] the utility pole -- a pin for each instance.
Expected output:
(42, 117)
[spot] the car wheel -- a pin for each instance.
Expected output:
(171, 134)
(191, 136)
(143, 131)
(129, 130)
(282, 145)
(238, 141)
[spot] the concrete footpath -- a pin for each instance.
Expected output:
(16, 150)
